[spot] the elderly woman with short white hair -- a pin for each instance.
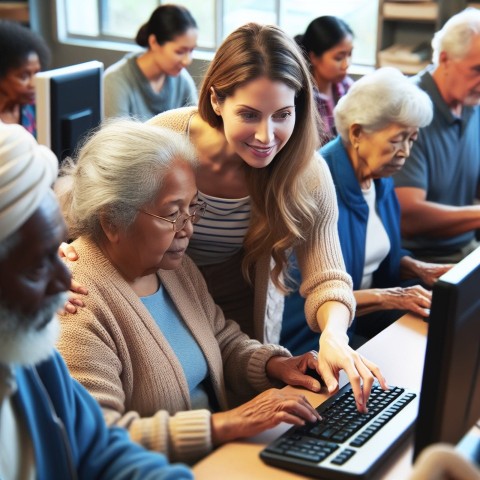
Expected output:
(377, 120)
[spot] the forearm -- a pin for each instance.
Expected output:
(320, 259)
(225, 427)
(437, 220)
(333, 317)
(410, 267)
(368, 301)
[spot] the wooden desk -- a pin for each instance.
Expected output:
(399, 351)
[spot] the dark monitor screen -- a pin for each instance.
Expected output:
(450, 395)
(69, 104)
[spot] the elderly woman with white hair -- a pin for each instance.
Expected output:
(378, 120)
(150, 344)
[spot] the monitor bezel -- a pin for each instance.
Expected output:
(43, 82)
(444, 368)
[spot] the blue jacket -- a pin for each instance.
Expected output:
(352, 229)
(70, 437)
(353, 217)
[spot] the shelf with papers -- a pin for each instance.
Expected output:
(405, 26)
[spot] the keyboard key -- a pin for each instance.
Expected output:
(342, 457)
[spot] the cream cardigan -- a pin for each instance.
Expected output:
(319, 257)
(115, 349)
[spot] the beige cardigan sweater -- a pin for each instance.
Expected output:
(320, 257)
(116, 350)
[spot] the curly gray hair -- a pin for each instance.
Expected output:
(382, 98)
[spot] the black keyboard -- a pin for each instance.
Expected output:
(346, 444)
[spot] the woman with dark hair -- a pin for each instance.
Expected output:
(144, 84)
(327, 44)
(23, 54)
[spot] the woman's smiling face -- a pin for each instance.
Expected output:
(258, 119)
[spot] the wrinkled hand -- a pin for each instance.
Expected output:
(428, 273)
(74, 300)
(265, 411)
(335, 355)
(291, 370)
(415, 299)
(76, 290)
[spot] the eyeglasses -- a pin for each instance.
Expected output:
(182, 218)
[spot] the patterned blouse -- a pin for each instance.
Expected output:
(325, 107)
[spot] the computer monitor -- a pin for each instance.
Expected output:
(450, 395)
(69, 103)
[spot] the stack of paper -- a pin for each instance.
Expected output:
(408, 58)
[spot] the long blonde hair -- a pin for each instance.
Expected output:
(283, 209)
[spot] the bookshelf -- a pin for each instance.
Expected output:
(17, 11)
(407, 27)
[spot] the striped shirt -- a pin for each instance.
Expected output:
(220, 232)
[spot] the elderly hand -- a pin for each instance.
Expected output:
(265, 411)
(414, 299)
(76, 290)
(428, 273)
(74, 300)
(334, 355)
(292, 370)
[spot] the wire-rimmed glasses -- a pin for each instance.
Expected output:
(182, 218)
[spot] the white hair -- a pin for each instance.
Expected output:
(456, 35)
(21, 341)
(118, 170)
(382, 98)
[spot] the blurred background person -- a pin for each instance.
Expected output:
(23, 53)
(328, 45)
(147, 83)
(378, 122)
(439, 188)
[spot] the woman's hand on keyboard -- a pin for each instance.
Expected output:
(334, 355)
(265, 411)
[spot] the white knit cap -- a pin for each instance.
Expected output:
(27, 171)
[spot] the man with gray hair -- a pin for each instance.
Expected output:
(50, 427)
(438, 186)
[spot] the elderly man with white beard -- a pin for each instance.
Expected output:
(50, 427)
